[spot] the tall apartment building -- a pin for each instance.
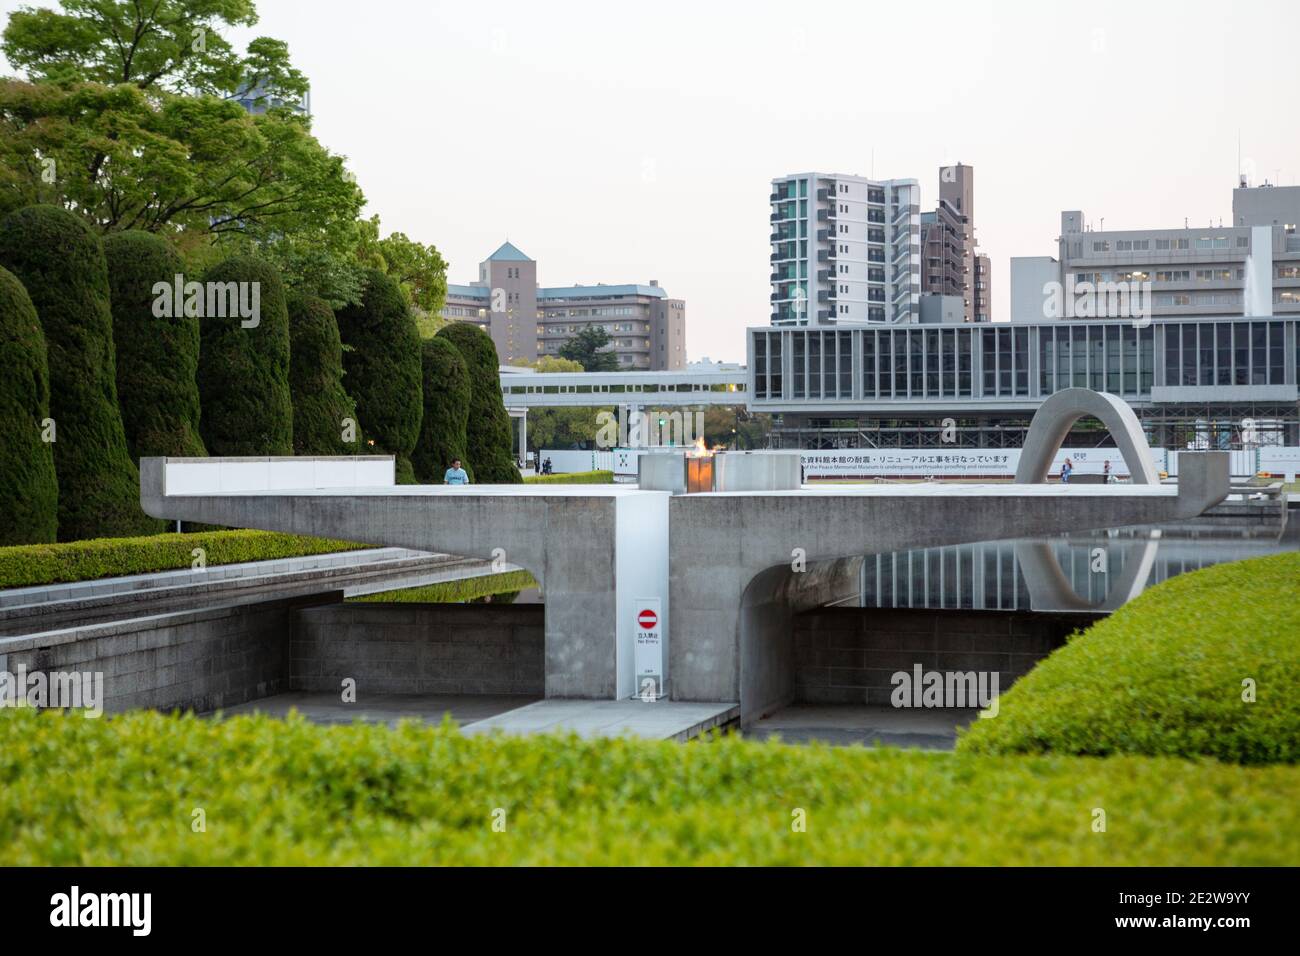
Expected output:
(845, 250)
(983, 288)
(647, 329)
(1250, 267)
(950, 261)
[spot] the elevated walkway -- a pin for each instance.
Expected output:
(55, 606)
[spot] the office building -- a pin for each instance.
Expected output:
(1250, 266)
(647, 329)
(1217, 382)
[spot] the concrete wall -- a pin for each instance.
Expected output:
(848, 655)
(419, 649)
(199, 660)
(737, 543)
(568, 537)
(766, 651)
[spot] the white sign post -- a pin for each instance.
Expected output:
(647, 623)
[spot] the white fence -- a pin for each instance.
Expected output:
(568, 461)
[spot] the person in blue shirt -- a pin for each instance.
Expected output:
(1066, 471)
(455, 475)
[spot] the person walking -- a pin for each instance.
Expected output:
(1105, 471)
(1066, 470)
(455, 475)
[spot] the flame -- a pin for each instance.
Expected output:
(699, 449)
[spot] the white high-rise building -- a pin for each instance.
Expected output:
(845, 250)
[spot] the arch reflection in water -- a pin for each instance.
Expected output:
(1091, 572)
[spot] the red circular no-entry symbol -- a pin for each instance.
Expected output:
(647, 619)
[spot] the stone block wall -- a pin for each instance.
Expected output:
(849, 655)
(420, 648)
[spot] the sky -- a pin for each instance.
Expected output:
(623, 142)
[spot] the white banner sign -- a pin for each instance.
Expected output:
(956, 462)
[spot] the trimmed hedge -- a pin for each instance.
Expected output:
(446, 412)
(30, 511)
(454, 592)
(33, 564)
(572, 478)
(285, 792)
(244, 372)
(1164, 675)
(157, 356)
(489, 442)
(320, 402)
(383, 368)
(60, 262)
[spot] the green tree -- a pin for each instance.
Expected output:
(123, 159)
(489, 439)
(166, 45)
(447, 397)
(61, 263)
(585, 349)
(244, 368)
(321, 405)
(383, 367)
(735, 427)
(157, 355)
(419, 269)
(31, 493)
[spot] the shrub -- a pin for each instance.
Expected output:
(320, 402)
(244, 372)
(1164, 675)
(572, 478)
(489, 443)
(30, 565)
(446, 412)
(157, 357)
(30, 509)
(286, 792)
(60, 261)
(383, 368)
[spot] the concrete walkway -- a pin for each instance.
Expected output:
(660, 720)
(387, 709)
(847, 725)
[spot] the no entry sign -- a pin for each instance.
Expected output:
(649, 653)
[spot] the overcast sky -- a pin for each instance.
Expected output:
(620, 142)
